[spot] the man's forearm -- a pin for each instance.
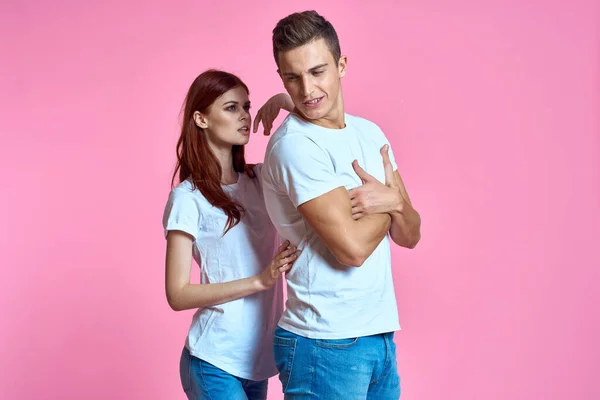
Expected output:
(350, 240)
(405, 228)
(368, 232)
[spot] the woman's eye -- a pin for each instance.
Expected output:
(247, 108)
(230, 108)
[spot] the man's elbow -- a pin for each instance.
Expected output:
(352, 261)
(413, 243)
(351, 258)
(407, 242)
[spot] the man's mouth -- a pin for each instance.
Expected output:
(313, 102)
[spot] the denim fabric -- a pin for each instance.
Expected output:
(204, 381)
(345, 369)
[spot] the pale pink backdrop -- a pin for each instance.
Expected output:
(491, 108)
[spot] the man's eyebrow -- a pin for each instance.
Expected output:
(310, 70)
(317, 67)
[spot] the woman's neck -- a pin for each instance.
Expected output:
(225, 157)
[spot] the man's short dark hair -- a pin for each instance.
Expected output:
(301, 28)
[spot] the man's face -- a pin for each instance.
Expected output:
(312, 79)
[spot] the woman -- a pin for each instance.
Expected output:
(216, 215)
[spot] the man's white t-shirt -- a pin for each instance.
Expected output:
(326, 299)
(236, 336)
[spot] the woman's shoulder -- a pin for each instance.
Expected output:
(184, 188)
(253, 171)
(253, 183)
(257, 168)
(187, 192)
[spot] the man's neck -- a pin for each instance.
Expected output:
(334, 119)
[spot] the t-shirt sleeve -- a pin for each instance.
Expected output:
(301, 169)
(182, 213)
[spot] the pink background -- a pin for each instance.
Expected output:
(491, 108)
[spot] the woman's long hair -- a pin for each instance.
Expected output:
(195, 159)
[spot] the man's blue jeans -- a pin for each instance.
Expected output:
(204, 381)
(340, 369)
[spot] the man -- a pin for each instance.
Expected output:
(335, 339)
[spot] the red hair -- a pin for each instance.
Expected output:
(195, 159)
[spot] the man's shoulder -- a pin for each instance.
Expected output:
(361, 123)
(292, 134)
(291, 125)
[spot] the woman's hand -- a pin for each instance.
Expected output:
(270, 110)
(282, 262)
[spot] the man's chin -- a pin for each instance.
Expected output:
(311, 114)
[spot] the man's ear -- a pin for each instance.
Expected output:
(342, 65)
(200, 120)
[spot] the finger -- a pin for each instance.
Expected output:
(283, 246)
(286, 253)
(387, 166)
(267, 130)
(257, 120)
(353, 193)
(285, 268)
(354, 202)
(362, 174)
(385, 153)
(390, 179)
(357, 210)
(268, 124)
(287, 260)
(357, 216)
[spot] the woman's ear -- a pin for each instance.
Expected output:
(200, 120)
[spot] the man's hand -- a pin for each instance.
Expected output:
(374, 197)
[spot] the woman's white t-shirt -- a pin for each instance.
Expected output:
(237, 336)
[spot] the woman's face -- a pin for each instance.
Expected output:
(227, 121)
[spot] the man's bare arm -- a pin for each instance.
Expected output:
(374, 197)
(351, 241)
(405, 229)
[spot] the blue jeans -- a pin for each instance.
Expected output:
(338, 369)
(204, 381)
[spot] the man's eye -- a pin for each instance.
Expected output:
(317, 73)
